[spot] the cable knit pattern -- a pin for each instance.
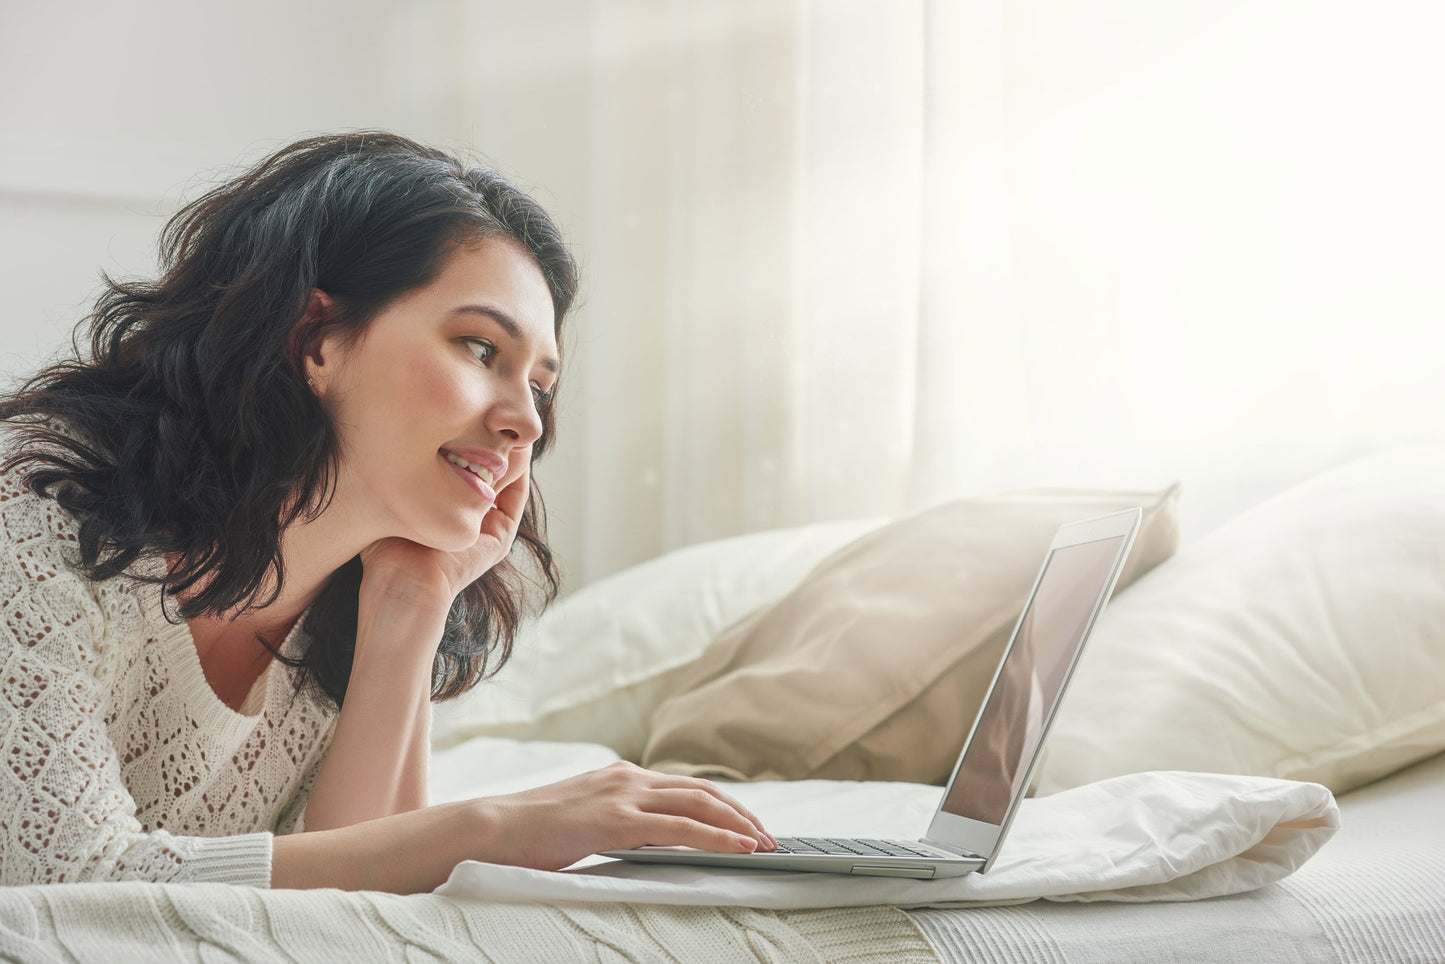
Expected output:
(117, 760)
(144, 923)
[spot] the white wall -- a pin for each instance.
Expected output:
(1194, 238)
(113, 111)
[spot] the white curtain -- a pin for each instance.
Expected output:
(853, 257)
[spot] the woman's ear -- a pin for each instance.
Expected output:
(310, 347)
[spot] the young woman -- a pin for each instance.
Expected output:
(267, 516)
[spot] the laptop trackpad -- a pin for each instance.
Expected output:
(921, 873)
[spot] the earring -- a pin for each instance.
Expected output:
(310, 383)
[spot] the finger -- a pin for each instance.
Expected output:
(505, 517)
(512, 499)
(668, 781)
(671, 830)
(737, 805)
(710, 808)
(518, 485)
(499, 526)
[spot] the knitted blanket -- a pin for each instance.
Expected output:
(119, 923)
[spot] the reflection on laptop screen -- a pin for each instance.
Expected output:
(1012, 720)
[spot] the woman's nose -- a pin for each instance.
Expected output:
(515, 416)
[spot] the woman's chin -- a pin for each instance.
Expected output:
(457, 536)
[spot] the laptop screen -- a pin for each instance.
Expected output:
(1023, 697)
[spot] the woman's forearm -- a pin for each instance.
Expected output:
(377, 763)
(406, 853)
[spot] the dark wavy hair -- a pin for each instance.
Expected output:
(186, 431)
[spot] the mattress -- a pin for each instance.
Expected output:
(1375, 893)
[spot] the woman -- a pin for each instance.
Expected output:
(267, 517)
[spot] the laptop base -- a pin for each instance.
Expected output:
(920, 868)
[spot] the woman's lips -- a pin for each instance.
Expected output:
(489, 465)
(473, 480)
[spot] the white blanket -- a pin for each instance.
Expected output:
(1142, 837)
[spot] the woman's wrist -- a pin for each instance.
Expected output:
(400, 617)
(406, 853)
(413, 590)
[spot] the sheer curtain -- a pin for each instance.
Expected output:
(853, 257)
(748, 216)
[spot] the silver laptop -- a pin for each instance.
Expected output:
(1003, 749)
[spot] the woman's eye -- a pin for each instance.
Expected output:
(481, 350)
(541, 398)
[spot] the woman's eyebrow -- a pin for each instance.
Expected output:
(509, 325)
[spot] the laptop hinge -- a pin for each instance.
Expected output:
(952, 848)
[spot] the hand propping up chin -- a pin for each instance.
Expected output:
(403, 566)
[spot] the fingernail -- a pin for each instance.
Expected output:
(746, 844)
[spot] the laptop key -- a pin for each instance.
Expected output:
(904, 848)
(865, 848)
(841, 847)
(857, 847)
(831, 847)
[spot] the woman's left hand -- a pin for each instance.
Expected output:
(401, 566)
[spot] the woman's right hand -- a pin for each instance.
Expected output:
(616, 808)
(619, 807)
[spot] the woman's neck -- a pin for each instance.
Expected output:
(235, 648)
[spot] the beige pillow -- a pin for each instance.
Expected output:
(874, 666)
(594, 666)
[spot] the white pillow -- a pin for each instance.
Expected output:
(1305, 639)
(595, 665)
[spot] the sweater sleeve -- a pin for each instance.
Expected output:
(65, 813)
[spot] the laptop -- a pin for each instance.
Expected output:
(1003, 748)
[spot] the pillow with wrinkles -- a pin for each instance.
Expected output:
(874, 666)
(595, 665)
(1304, 639)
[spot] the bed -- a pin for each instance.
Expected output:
(1301, 645)
(1375, 893)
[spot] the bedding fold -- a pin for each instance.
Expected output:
(1158, 836)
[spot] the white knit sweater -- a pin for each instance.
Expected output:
(117, 760)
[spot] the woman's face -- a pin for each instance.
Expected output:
(452, 372)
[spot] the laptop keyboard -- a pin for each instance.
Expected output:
(851, 847)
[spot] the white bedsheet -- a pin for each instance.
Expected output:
(1142, 837)
(1376, 894)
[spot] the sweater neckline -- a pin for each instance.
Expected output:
(187, 673)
